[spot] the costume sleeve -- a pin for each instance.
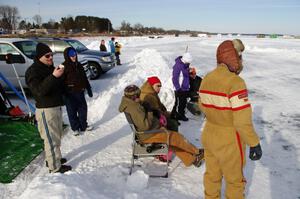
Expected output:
(242, 113)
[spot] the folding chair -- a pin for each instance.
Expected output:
(147, 150)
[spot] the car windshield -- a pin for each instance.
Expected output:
(27, 47)
(77, 45)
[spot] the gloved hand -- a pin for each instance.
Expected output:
(163, 120)
(89, 91)
(255, 152)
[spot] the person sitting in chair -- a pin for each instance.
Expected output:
(145, 120)
(149, 97)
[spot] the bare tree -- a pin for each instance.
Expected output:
(125, 26)
(9, 17)
(37, 19)
(138, 27)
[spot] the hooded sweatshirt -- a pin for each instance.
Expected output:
(75, 79)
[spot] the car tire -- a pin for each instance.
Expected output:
(95, 70)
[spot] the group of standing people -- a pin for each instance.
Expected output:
(115, 48)
(222, 98)
(52, 87)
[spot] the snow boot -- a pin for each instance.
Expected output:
(62, 161)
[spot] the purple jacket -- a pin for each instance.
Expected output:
(181, 78)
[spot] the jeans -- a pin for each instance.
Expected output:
(77, 110)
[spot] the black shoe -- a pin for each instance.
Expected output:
(62, 161)
(183, 118)
(64, 168)
(199, 158)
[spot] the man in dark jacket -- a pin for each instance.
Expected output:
(76, 83)
(180, 78)
(45, 83)
(195, 82)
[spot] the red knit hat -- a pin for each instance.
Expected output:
(153, 80)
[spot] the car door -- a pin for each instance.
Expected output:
(7, 69)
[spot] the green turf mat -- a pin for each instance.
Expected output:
(20, 143)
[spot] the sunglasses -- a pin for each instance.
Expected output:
(49, 55)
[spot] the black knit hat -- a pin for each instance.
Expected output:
(132, 91)
(41, 50)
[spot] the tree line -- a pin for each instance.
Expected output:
(10, 20)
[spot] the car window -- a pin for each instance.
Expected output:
(7, 48)
(60, 46)
(48, 43)
(27, 47)
(77, 45)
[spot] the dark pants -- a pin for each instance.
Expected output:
(77, 110)
(172, 124)
(180, 103)
(117, 54)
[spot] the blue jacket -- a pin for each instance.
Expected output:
(180, 76)
(112, 46)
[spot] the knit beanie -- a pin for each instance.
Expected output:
(41, 50)
(132, 91)
(72, 53)
(187, 58)
(153, 80)
(228, 53)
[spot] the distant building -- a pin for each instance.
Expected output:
(202, 35)
(260, 36)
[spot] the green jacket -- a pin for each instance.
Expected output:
(142, 120)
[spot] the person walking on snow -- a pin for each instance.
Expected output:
(76, 83)
(180, 79)
(228, 128)
(145, 120)
(46, 85)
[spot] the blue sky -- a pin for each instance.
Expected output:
(255, 16)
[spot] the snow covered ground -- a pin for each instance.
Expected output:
(100, 159)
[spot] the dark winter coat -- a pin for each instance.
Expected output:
(180, 75)
(103, 48)
(75, 79)
(47, 90)
(194, 87)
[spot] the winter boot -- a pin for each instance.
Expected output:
(63, 169)
(76, 133)
(62, 161)
(199, 158)
(182, 117)
(89, 128)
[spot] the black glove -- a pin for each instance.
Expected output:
(255, 152)
(89, 91)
